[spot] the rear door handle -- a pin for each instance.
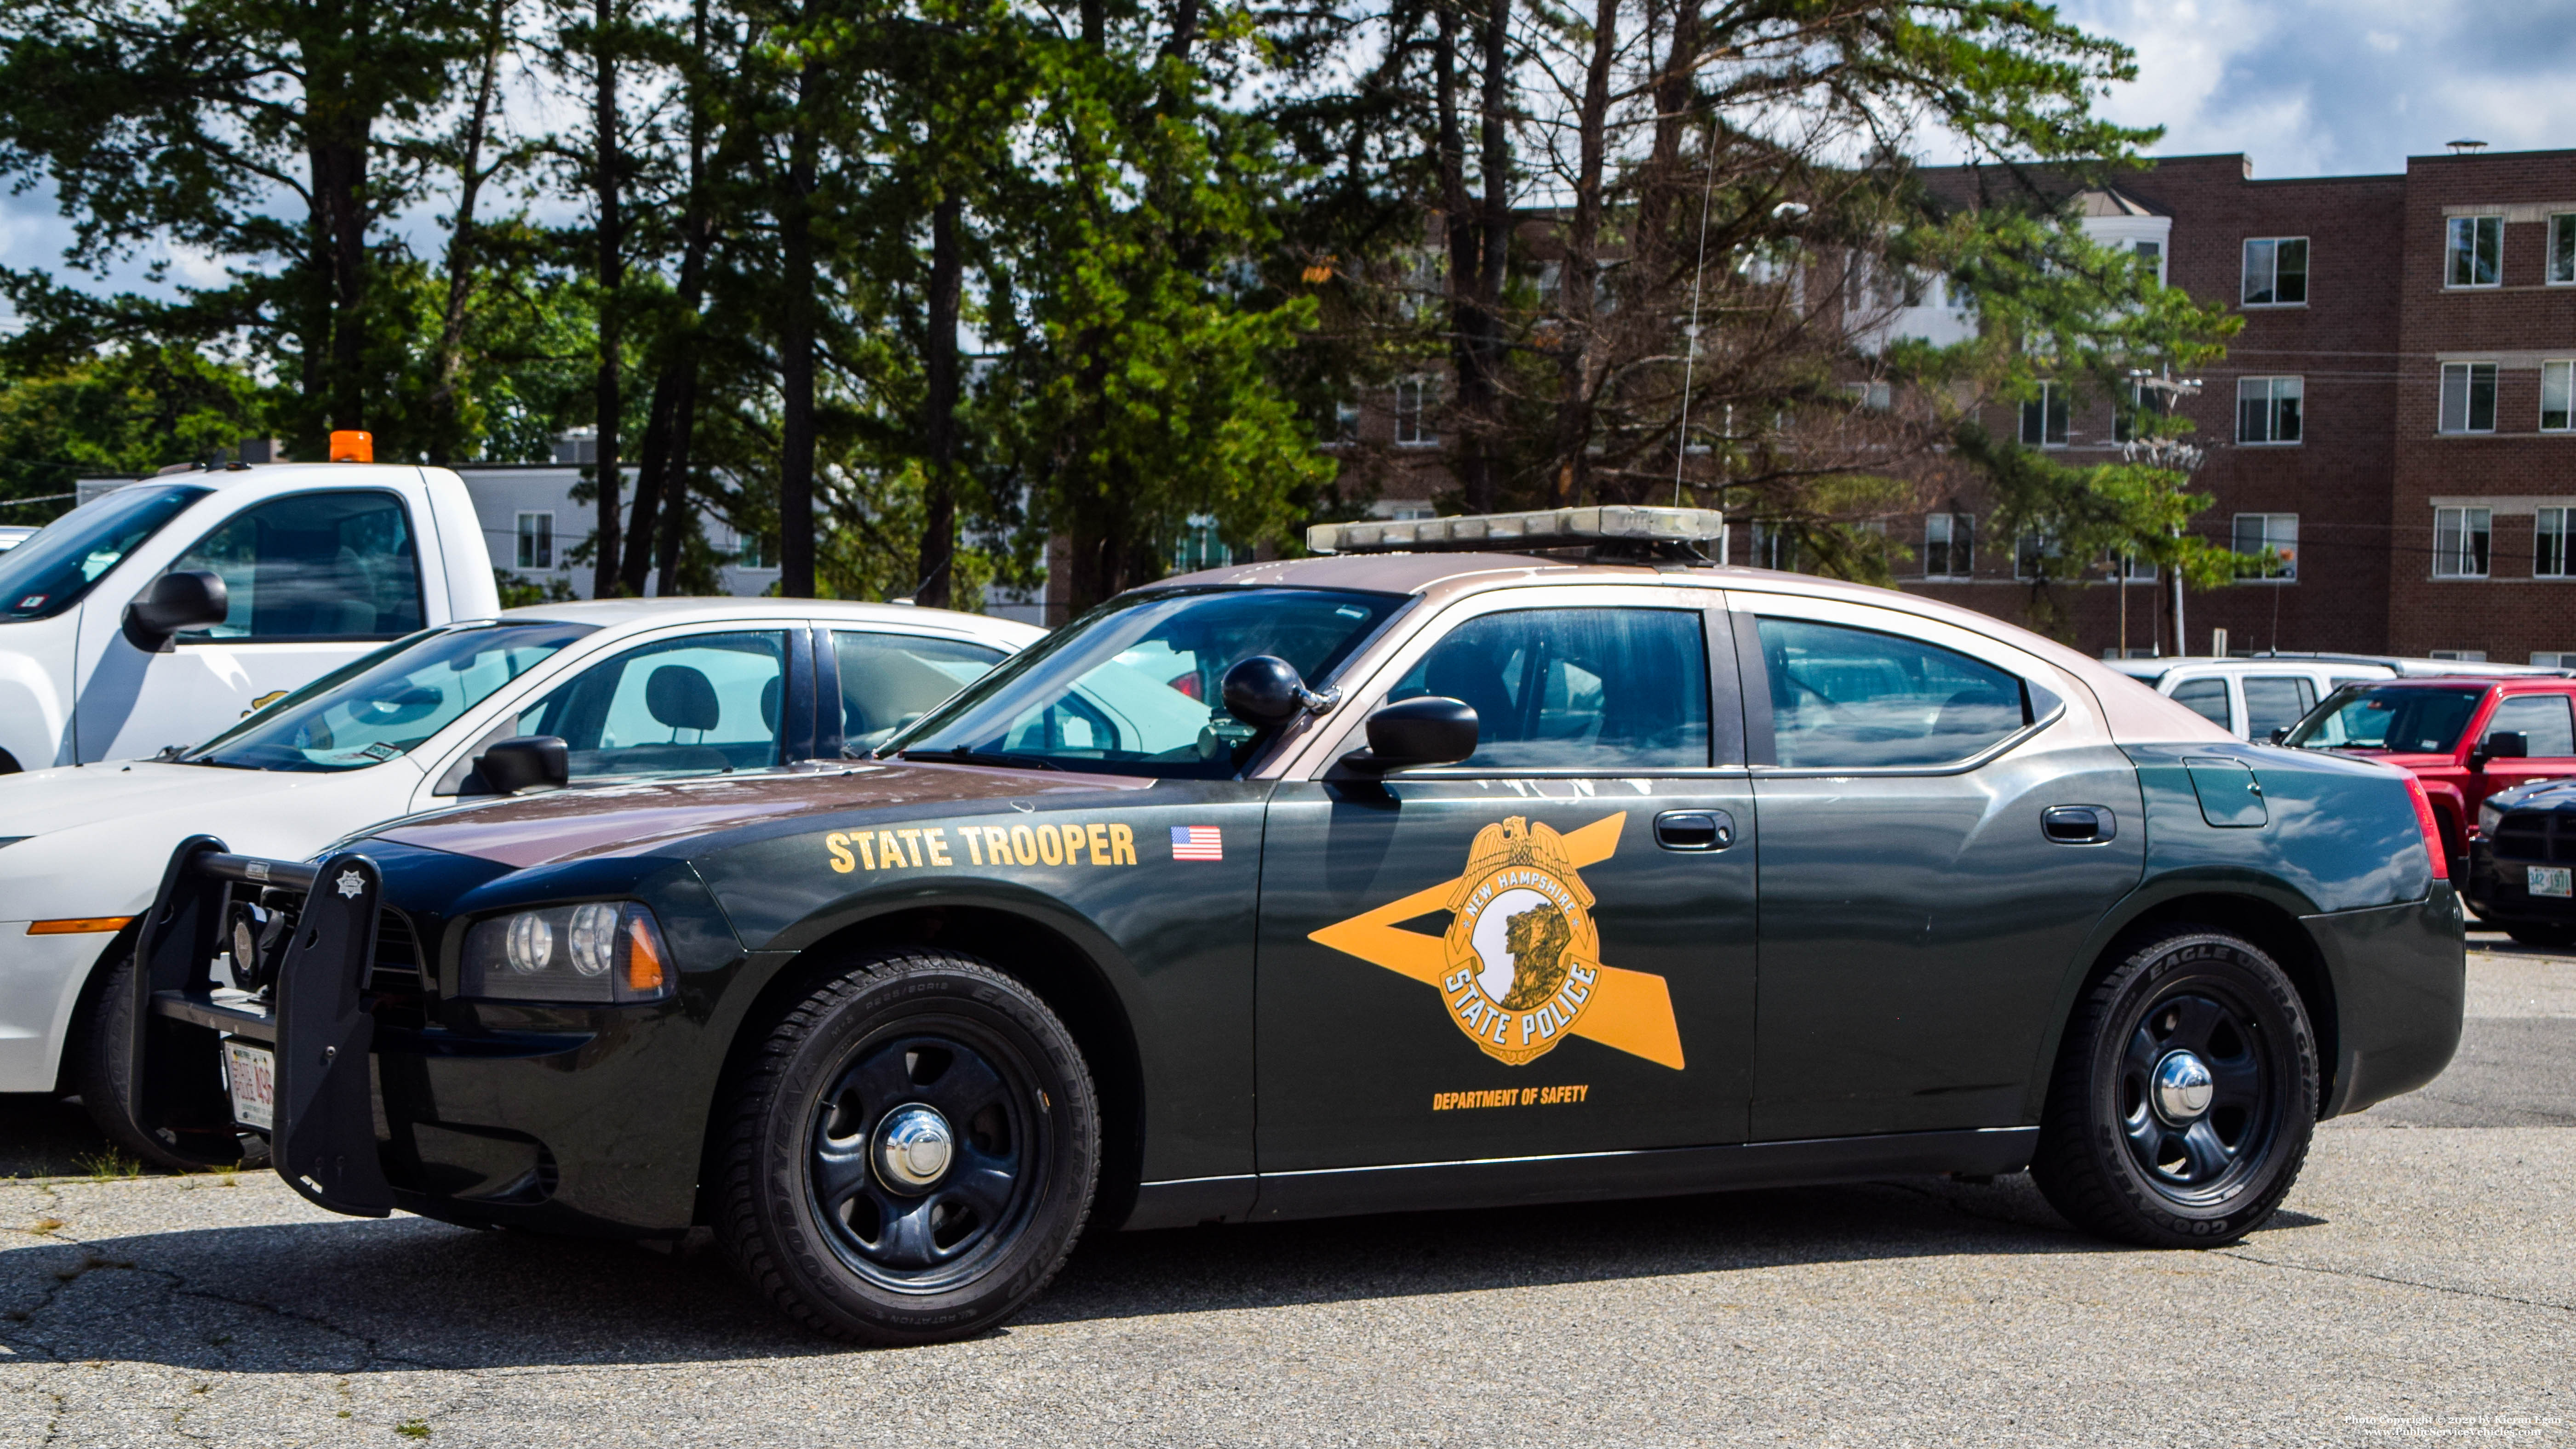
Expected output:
(1694, 830)
(2078, 824)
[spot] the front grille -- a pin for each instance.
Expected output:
(397, 954)
(2544, 836)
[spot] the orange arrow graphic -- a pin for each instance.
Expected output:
(1632, 1011)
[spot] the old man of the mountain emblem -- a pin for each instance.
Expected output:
(1522, 951)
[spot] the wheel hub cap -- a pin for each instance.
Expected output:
(2183, 1088)
(914, 1146)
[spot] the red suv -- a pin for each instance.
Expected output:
(2463, 738)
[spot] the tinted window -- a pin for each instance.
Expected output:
(2206, 698)
(388, 703)
(2274, 701)
(314, 566)
(890, 680)
(2409, 719)
(1854, 697)
(701, 704)
(55, 566)
(2542, 719)
(1603, 690)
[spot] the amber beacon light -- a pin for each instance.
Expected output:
(348, 445)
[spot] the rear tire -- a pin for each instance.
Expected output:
(910, 1153)
(102, 1045)
(2184, 1098)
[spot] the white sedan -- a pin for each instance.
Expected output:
(635, 689)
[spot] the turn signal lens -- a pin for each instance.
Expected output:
(645, 975)
(349, 445)
(2432, 825)
(77, 925)
(594, 953)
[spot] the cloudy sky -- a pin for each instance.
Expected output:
(2304, 87)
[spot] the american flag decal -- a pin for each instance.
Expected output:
(1197, 842)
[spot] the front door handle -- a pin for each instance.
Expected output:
(2078, 824)
(1694, 830)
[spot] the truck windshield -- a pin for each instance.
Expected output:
(1134, 688)
(57, 565)
(386, 704)
(2401, 719)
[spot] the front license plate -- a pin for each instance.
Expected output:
(2547, 880)
(252, 1072)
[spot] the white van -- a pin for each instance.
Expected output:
(160, 612)
(2249, 698)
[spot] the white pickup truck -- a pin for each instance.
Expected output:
(156, 614)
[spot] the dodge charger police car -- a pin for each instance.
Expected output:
(1410, 877)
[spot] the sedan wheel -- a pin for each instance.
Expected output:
(2184, 1098)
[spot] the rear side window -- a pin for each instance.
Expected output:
(1606, 690)
(890, 680)
(2276, 701)
(314, 566)
(1858, 698)
(2406, 719)
(2206, 698)
(2543, 720)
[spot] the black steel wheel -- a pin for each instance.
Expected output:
(911, 1152)
(2184, 1098)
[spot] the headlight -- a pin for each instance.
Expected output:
(2488, 818)
(597, 951)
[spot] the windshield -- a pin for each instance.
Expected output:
(2407, 719)
(385, 704)
(52, 570)
(1131, 688)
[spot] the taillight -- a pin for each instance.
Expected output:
(2424, 817)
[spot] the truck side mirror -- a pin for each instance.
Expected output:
(175, 602)
(1266, 692)
(2502, 745)
(525, 762)
(1431, 729)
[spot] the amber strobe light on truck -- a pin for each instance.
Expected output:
(599, 951)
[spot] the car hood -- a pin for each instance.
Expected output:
(642, 819)
(46, 802)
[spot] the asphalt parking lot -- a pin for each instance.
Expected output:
(2420, 1289)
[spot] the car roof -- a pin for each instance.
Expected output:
(616, 613)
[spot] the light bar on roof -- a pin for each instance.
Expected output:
(1545, 528)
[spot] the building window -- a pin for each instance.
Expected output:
(2459, 656)
(2276, 271)
(2031, 553)
(2468, 397)
(536, 540)
(1774, 547)
(2151, 256)
(1875, 397)
(2460, 542)
(2129, 569)
(1949, 546)
(753, 552)
(2549, 543)
(1346, 422)
(2043, 418)
(2267, 409)
(1414, 399)
(2277, 533)
(2555, 387)
(2562, 249)
(2473, 252)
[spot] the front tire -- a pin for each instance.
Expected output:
(2184, 1098)
(911, 1151)
(102, 1045)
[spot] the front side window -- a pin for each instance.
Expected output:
(1136, 686)
(2562, 249)
(536, 540)
(2468, 397)
(2268, 409)
(890, 680)
(1857, 698)
(1949, 546)
(58, 563)
(314, 566)
(2275, 534)
(1607, 691)
(2547, 728)
(388, 703)
(701, 704)
(2405, 719)
(2276, 271)
(2460, 538)
(2206, 698)
(2549, 543)
(2275, 702)
(2473, 251)
(2043, 418)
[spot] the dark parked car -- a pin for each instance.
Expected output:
(1396, 880)
(2520, 876)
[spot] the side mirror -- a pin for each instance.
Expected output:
(175, 602)
(1266, 692)
(524, 763)
(1429, 730)
(2502, 745)
(2280, 733)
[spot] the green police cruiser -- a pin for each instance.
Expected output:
(1476, 861)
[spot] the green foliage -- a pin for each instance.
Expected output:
(128, 411)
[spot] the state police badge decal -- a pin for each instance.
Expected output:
(1522, 952)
